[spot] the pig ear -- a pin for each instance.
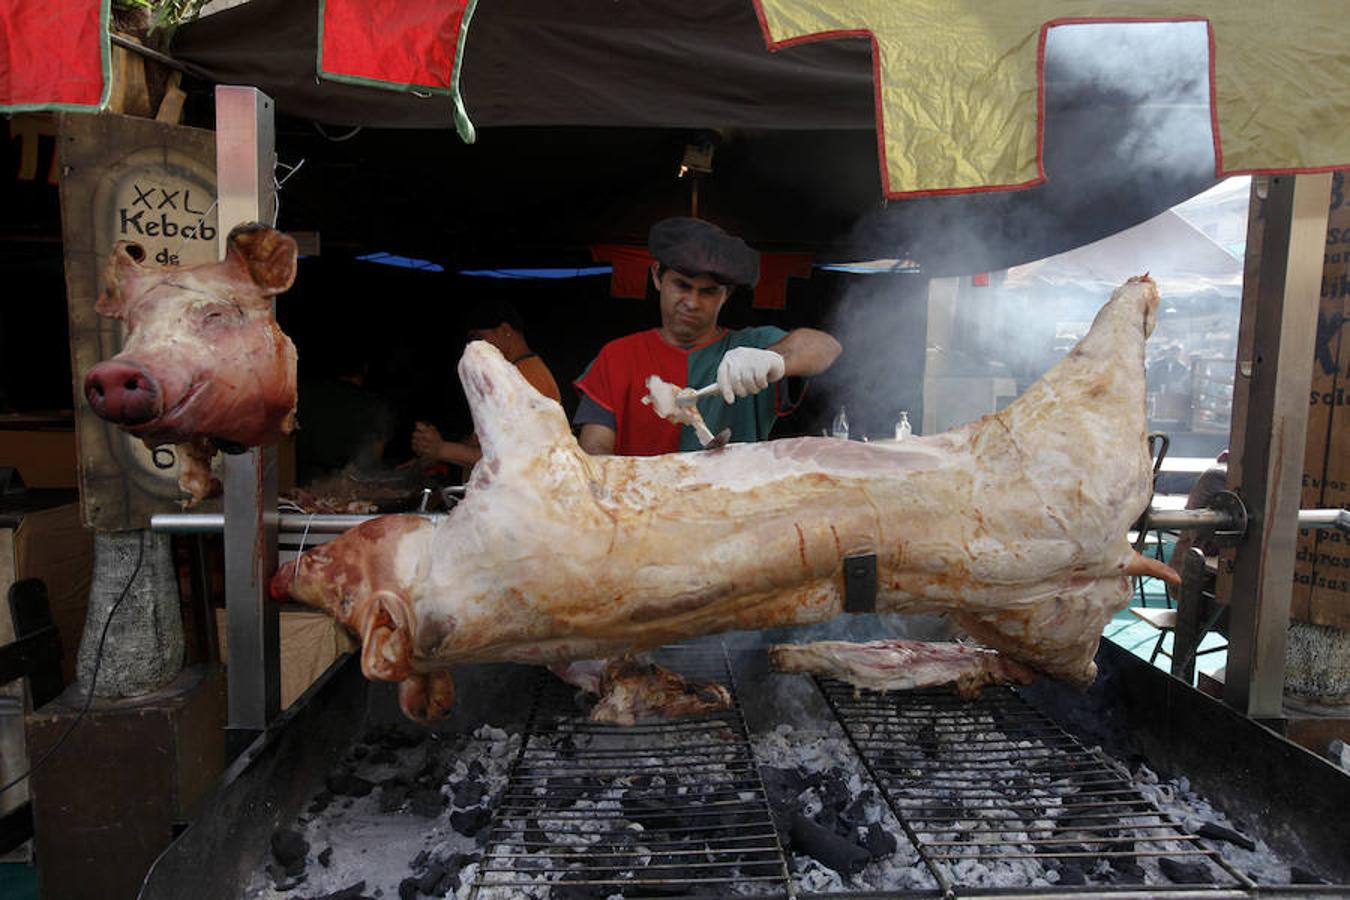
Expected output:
(268, 255)
(124, 264)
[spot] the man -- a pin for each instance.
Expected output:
(498, 323)
(697, 266)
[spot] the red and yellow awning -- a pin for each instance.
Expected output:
(960, 83)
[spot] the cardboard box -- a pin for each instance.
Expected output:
(1322, 571)
(310, 642)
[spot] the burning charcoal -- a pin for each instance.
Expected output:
(826, 847)
(535, 835)
(383, 757)
(393, 793)
(468, 822)
(1127, 868)
(927, 739)
(428, 803)
(880, 842)
(351, 892)
(469, 793)
(1184, 872)
(1219, 833)
(855, 814)
(448, 884)
(651, 814)
(431, 878)
(320, 802)
(833, 790)
(326, 857)
(563, 891)
(1071, 874)
(407, 889)
(281, 879)
(345, 784)
(432, 773)
(289, 849)
(1300, 875)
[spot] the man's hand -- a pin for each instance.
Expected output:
(748, 370)
(427, 441)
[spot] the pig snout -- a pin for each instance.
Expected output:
(123, 393)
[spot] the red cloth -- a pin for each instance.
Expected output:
(617, 380)
(774, 271)
(632, 266)
(52, 54)
(391, 41)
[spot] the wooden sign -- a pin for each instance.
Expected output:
(127, 179)
(1322, 575)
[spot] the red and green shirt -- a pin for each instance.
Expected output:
(616, 381)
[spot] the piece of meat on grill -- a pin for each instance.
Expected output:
(631, 688)
(897, 665)
(204, 365)
(1014, 525)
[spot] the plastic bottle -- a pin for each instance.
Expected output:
(840, 429)
(902, 428)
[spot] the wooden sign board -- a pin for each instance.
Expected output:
(132, 179)
(1322, 575)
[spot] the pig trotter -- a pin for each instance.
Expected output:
(426, 698)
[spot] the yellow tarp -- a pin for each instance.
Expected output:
(958, 81)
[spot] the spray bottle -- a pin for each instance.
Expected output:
(840, 429)
(902, 428)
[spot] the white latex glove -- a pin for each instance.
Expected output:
(748, 370)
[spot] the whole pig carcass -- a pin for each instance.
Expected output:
(1014, 525)
(204, 365)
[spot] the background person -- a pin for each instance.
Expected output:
(498, 323)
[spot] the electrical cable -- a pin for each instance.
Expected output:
(93, 679)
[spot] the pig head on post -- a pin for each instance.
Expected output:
(204, 365)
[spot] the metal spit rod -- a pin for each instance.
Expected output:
(1217, 518)
(291, 523)
(333, 523)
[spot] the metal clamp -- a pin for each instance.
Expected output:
(860, 583)
(1231, 533)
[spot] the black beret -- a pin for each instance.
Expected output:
(695, 247)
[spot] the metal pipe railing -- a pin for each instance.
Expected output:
(1217, 518)
(288, 523)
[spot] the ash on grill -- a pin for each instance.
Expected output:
(908, 792)
(659, 808)
(994, 794)
(403, 815)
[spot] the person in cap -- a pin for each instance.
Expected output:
(498, 323)
(697, 267)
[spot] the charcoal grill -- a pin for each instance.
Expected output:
(996, 781)
(649, 807)
(1014, 779)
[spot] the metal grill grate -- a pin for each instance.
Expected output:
(994, 784)
(652, 809)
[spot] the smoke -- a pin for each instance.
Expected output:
(1127, 135)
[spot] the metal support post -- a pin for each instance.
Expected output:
(245, 156)
(1275, 369)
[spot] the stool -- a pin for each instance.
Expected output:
(1164, 620)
